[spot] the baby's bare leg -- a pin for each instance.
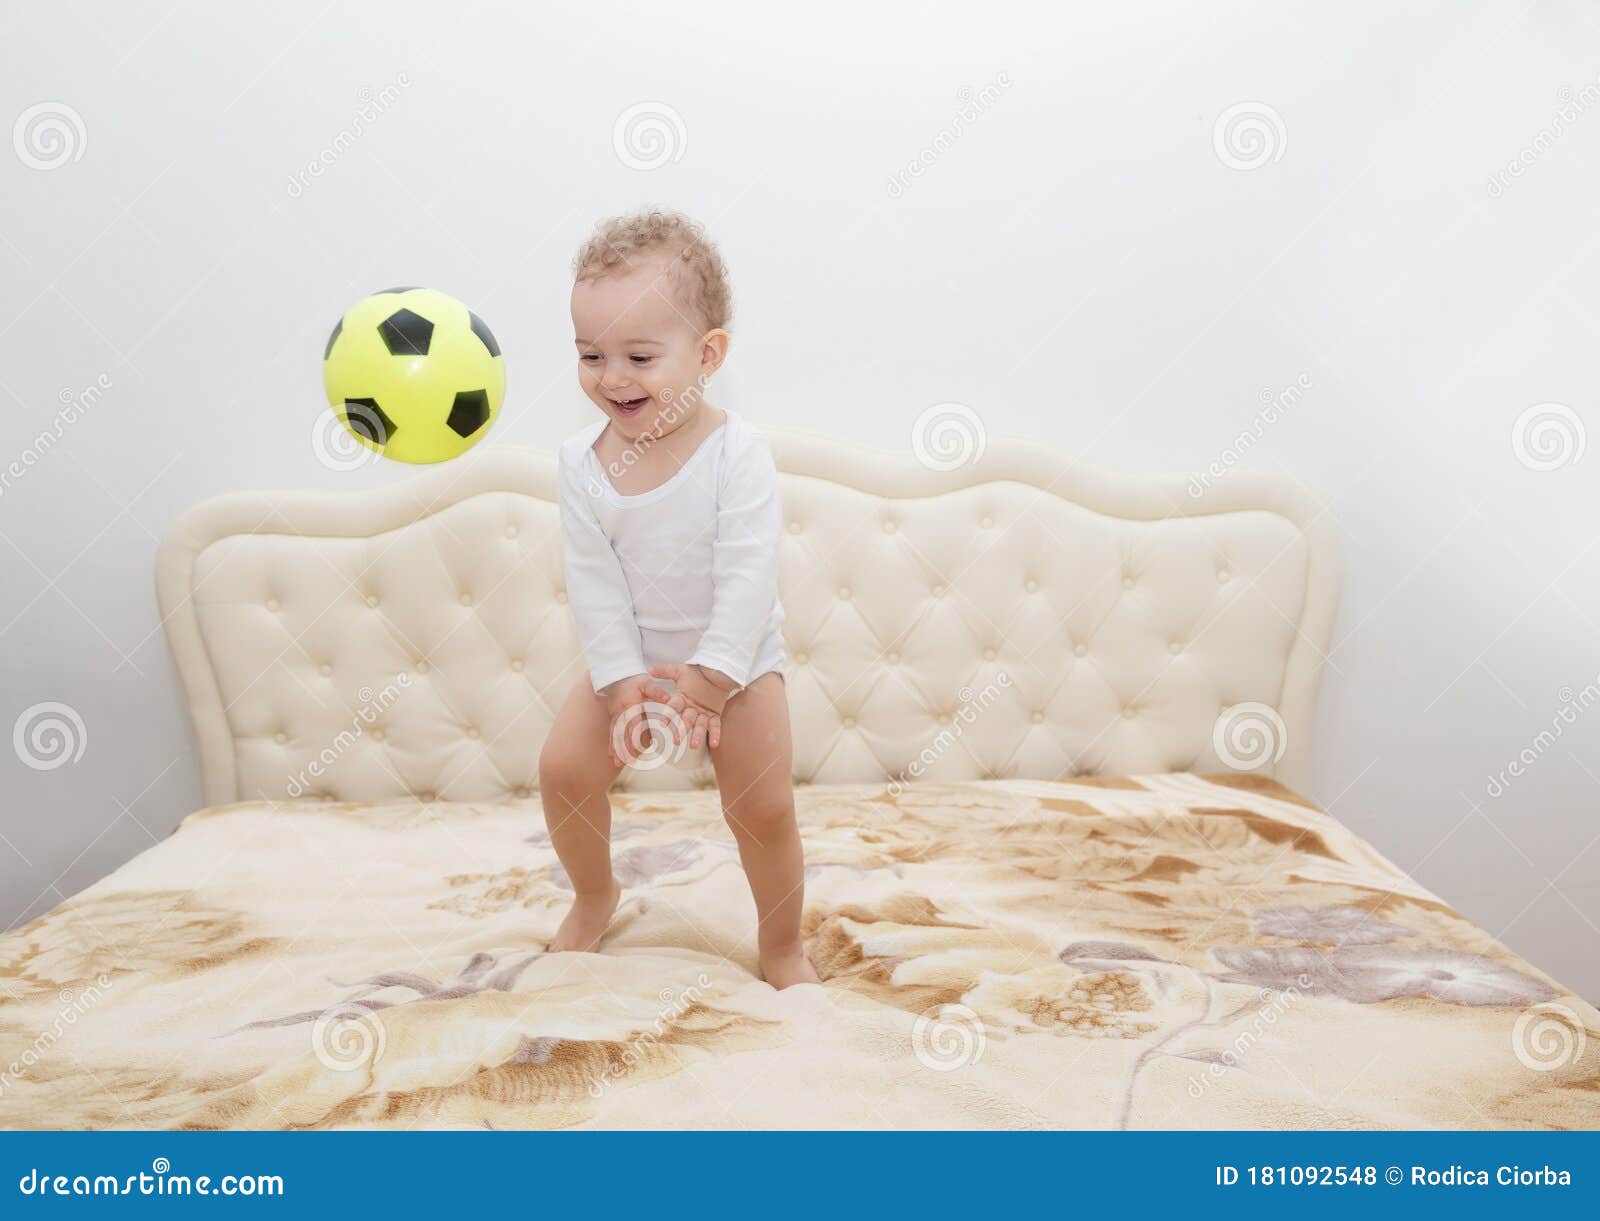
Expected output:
(753, 762)
(575, 770)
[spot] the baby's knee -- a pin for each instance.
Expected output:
(760, 816)
(564, 769)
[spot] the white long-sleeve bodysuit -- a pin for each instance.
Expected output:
(686, 572)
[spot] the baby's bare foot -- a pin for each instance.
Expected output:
(586, 922)
(784, 969)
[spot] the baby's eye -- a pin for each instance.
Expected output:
(641, 360)
(589, 358)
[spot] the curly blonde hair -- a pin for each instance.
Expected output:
(620, 241)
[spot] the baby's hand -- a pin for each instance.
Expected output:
(699, 700)
(625, 700)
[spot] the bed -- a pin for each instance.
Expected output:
(1053, 733)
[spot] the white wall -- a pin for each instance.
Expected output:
(1078, 265)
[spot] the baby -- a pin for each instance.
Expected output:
(670, 521)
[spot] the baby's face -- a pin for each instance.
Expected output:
(640, 357)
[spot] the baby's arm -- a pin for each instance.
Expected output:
(745, 586)
(602, 608)
(597, 590)
(744, 565)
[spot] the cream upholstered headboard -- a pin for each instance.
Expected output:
(1020, 615)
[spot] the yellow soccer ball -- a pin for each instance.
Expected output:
(414, 374)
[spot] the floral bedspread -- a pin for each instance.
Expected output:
(1163, 951)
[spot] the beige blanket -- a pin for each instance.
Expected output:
(1169, 952)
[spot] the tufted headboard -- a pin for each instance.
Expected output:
(1019, 615)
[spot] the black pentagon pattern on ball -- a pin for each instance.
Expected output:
(338, 329)
(406, 334)
(480, 328)
(364, 416)
(469, 412)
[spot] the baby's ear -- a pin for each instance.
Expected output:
(713, 351)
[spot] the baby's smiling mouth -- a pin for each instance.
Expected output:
(629, 406)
